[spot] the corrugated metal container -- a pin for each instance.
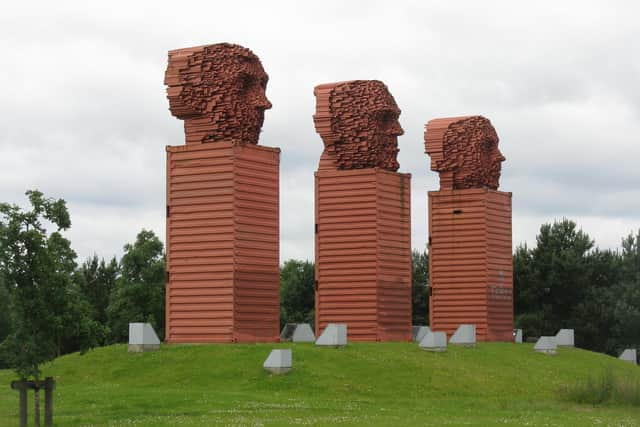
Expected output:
(363, 253)
(470, 262)
(222, 243)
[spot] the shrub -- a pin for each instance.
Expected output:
(603, 387)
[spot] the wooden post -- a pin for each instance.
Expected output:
(21, 386)
(36, 403)
(49, 385)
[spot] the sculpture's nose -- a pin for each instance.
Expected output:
(396, 129)
(263, 103)
(501, 158)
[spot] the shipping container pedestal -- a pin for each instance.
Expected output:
(223, 279)
(363, 253)
(470, 262)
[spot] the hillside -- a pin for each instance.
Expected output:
(375, 384)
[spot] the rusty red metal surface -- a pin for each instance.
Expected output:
(470, 264)
(223, 276)
(219, 92)
(471, 272)
(222, 243)
(464, 151)
(363, 253)
(358, 123)
(363, 226)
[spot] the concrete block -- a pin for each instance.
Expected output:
(629, 355)
(335, 334)
(142, 337)
(434, 341)
(546, 345)
(564, 338)
(464, 335)
(297, 332)
(517, 336)
(419, 332)
(279, 361)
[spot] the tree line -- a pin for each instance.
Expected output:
(50, 305)
(566, 281)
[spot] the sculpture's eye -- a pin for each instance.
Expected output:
(386, 118)
(244, 83)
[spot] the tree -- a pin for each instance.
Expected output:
(626, 314)
(297, 292)
(551, 279)
(96, 280)
(631, 258)
(139, 293)
(37, 269)
(626, 309)
(593, 312)
(5, 317)
(528, 293)
(420, 287)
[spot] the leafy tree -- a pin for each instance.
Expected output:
(420, 287)
(96, 280)
(139, 294)
(626, 308)
(5, 310)
(631, 258)
(37, 268)
(626, 313)
(524, 287)
(564, 282)
(556, 277)
(297, 292)
(527, 293)
(5, 317)
(593, 311)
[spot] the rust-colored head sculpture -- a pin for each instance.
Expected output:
(358, 123)
(464, 150)
(219, 91)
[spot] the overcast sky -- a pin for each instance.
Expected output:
(83, 113)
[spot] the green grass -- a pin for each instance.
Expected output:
(393, 384)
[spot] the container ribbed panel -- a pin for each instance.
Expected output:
(394, 256)
(470, 247)
(257, 274)
(500, 267)
(214, 225)
(363, 250)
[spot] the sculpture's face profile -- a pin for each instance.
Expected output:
(491, 158)
(360, 127)
(384, 120)
(247, 91)
(467, 151)
(219, 90)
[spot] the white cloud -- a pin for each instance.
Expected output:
(84, 115)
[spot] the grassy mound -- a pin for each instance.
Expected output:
(393, 384)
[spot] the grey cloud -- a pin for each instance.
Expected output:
(85, 115)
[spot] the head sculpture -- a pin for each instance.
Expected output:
(464, 150)
(219, 91)
(358, 123)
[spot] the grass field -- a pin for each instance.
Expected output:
(393, 384)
